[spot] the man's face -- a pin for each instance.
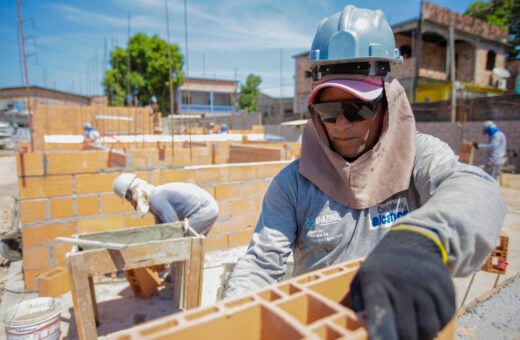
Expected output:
(351, 139)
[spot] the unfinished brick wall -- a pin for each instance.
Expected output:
(68, 120)
(65, 193)
(455, 133)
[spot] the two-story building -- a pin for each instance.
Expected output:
(446, 55)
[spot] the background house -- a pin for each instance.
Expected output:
(428, 44)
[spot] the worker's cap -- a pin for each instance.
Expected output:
(366, 89)
(488, 124)
(122, 184)
(87, 126)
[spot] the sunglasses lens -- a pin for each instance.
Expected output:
(354, 111)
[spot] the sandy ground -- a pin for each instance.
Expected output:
(486, 311)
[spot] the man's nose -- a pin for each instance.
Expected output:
(342, 122)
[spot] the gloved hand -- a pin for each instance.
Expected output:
(404, 288)
(475, 145)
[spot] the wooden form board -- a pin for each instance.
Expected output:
(185, 254)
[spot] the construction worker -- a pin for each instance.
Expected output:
(495, 148)
(169, 202)
(368, 185)
(90, 135)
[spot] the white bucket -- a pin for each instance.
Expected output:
(33, 319)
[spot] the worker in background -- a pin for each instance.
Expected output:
(223, 128)
(369, 185)
(169, 202)
(90, 135)
(495, 148)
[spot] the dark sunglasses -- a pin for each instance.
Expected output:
(353, 110)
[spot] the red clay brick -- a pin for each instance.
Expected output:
(61, 208)
(87, 205)
(30, 277)
(33, 211)
(30, 164)
(54, 282)
(113, 203)
(228, 191)
(254, 188)
(243, 206)
(241, 238)
(48, 186)
(242, 172)
(46, 233)
(216, 242)
(94, 183)
(36, 257)
(212, 174)
(98, 224)
(133, 220)
(60, 251)
(75, 162)
(177, 175)
(270, 169)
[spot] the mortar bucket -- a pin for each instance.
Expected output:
(33, 319)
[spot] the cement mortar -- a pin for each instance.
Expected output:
(495, 315)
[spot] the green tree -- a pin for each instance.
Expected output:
(148, 77)
(249, 93)
(504, 14)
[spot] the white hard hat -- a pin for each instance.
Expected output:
(488, 123)
(122, 184)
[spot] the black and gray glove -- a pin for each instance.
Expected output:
(404, 288)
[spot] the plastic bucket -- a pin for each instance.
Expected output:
(33, 319)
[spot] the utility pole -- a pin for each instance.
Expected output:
(170, 80)
(22, 44)
(24, 70)
(281, 83)
(128, 66)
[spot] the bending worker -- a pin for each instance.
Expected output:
(90, 135)
(495, 148)
(169, 202)
(368, 185)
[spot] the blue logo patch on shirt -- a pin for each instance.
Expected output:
(385, 214)
(309, 223)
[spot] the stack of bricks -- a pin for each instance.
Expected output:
(497, 261)
(305, 307)
(67, 193)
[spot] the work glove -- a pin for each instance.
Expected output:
(404, 288)
(475, 144)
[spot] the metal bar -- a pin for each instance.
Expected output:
(80, 242)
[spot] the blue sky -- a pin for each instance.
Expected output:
(67, 42)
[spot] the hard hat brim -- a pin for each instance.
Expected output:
(366, 90)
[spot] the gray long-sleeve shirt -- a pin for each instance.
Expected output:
(457, 202)
(495, 148)
(177, 201)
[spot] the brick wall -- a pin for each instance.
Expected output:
(66, 193)
(455, 133)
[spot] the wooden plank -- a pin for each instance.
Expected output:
(82, 298)
(196, 273)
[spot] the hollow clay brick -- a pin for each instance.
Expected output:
(54, 282)
(307, 306)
